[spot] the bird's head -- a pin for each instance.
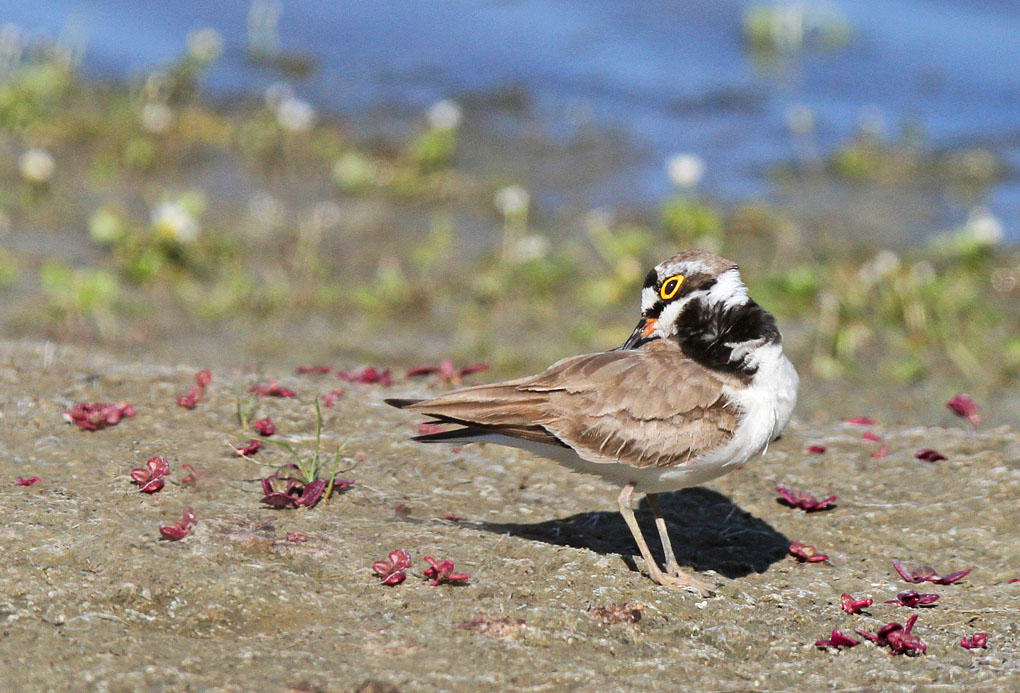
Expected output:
(693, 277)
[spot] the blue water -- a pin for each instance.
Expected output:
(671, 76)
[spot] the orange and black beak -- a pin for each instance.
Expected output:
(642, 332)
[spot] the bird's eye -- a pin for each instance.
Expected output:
(671, 286)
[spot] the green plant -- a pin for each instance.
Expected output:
(72, 294)
(310, 468)
(688, 220)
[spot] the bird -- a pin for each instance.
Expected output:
(700, 387)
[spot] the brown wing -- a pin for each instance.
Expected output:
(646, 407)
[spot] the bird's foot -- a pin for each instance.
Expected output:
(678, 579)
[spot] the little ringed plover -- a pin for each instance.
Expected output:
(700, 387)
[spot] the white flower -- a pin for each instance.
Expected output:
(175, 221)
(444, 115)
(157, 86)
(352, 170)
(800, 119)
(156, 117)
(984, 227)
(277, 93)
(685, 170)
(531, 247)
(295, 115)
(512, 200)
(205, 45)
(37, 166)
(885, 263)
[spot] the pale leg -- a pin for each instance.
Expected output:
(672, 567)
(681, 581)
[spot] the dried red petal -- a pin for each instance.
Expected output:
(806, 552)
(273, 389)
(203, 378)
(190, 400)
(963, 406)
(861, 421)
(473, 368)
(854, 606)
(391, 572)
(181, 528)
(442, 571)
(952, 577)
(868, 435)
(150, 477)
(394, 578)
(173, 532)
(908, 641)
(330, 398)
(23, 481)
(368, 376)
(803, 500)
(868, 636)
(416, 371)
(913, 599)
(837, 640)
(95, 416)
(191, 480)
(265, 426)
(312, 493)
(881, 452)
(926, 573)
(929, 455)
(816, 449)
(316, 370)
(897, 637)
(279, 499)
(158, 466)
(297, 537)
(400, 558)
(250, 449)
(151, 486)
(975, 641)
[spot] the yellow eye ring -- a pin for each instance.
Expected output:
(671, 286)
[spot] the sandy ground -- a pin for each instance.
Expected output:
(92, 599)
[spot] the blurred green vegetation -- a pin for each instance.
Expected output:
(129, 179)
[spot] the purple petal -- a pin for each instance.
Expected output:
(903, 572)
(279, 500)
(952, 577)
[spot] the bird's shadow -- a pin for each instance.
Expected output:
(708, 532)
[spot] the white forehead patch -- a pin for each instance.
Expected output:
(649, 295)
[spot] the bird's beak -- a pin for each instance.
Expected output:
(644, 330)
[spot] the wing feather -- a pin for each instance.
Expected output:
(645, 407)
